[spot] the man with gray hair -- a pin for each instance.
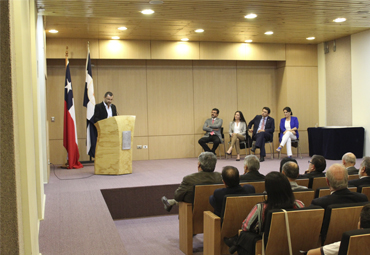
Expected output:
(349, 162)
(291, 170)
(251, 167)
(205, 175)
(364, 174)
(337, 180)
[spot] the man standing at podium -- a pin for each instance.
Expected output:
(105, 109)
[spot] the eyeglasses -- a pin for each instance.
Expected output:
(309, 162)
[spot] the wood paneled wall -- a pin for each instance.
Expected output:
(172, 98)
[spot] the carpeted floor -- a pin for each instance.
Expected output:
(77, 219)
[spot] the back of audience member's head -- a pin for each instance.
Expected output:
(366, 163)
(279, 191)
(337, 176)
(291, 170)
(349, 157)
(207, 161)
(252, 162)
(365, 217)
(230, 175)
(319, 162)
(284, 160)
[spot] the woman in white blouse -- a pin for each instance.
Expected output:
(237, 131)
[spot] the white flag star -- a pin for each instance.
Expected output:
(69, 86)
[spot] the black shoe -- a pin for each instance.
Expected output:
(233, 249)
(253, 149)
(231, 241)
(262, 159)
(238, 159)
(167, 205)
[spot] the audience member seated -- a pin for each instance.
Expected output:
(337, 179)
(284, 160)
(349, 162)
(230, 177)
(333, 249)
(316, 167)
(279, 196)
(237, 132)
(251, 167)
(288, 131)
(291, 171)
(364, 174)
(263, 130)
(205, 175)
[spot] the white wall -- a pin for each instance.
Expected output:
(360, 65)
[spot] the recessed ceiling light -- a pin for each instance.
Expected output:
(269, 33)
(199, 30)
(248, 41)
(250, 16)
(147, 11)
(122, 28)
(340, 20)
(53, 31)
(185, 39)
(310, 38)
(115, 37)
(156, 2)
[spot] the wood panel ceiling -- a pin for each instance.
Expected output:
(292, 21)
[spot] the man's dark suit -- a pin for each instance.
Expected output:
(217, 198)
(100, 112)
(313, 174)
(359, 182)
(343, 196)
(185, 192)
(252, 176)
(262, 137)
(352, 170)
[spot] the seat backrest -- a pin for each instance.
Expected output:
(258, 186)
(306, 196)
(353, 177)
(339, 218)
(366, 190)
(355, 242)
(319, 182)
(304, 233)
(302, 182)
(321, 192)
(201, 204)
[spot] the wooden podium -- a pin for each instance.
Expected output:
(110, 158)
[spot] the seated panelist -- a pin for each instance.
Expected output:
(237, 132)
(288, 131)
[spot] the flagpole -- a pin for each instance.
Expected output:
(66, 165)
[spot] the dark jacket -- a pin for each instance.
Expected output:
(343, 196)
(352, 170)
(252, 176)
(313, 174)
(217, 198)
(359, 182)
(269, 125)
(100, 112)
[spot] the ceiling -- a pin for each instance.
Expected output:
(292, 21)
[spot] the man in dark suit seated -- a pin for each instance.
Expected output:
(230, 177)
(205, 175)
(349, 162)
(263, 130)
(337, 179)
(251, 167)
(316, 167)
(105, 109)
(364, 173)
(291, 171)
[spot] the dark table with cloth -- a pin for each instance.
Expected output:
(334, 142)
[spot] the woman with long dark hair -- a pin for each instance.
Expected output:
(237, 132)
(279, 196)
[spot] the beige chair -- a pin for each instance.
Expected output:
(355, 242)
(303, 182)
(366, 191)
(306, 196)
(319, 182)
(258, 186)
(353, 177)
(322, 192)
(236, 209)
(338, 219)
(304, 233)
(191, 215)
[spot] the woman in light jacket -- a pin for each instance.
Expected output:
(237, 131)
(288, 131)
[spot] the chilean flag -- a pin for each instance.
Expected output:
(70, 131)
(89, 103)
